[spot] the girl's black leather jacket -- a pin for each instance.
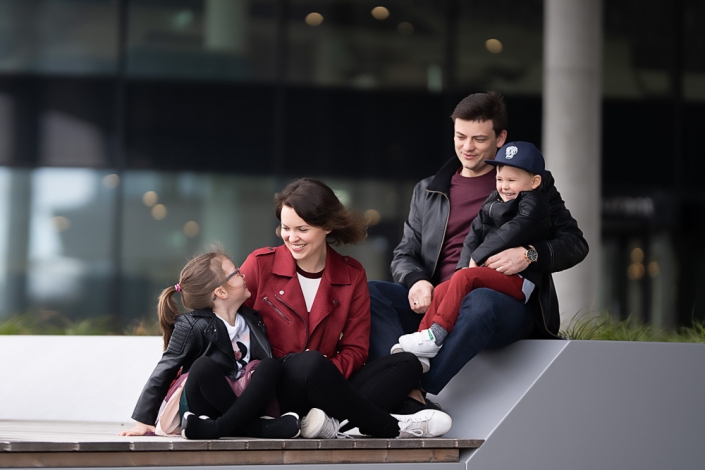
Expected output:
(198, 333)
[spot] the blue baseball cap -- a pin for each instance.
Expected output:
(522, 155)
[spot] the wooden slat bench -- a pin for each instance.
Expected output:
(81, 444)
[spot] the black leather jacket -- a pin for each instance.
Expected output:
(198, 333)
(500, 225)
(416, 256)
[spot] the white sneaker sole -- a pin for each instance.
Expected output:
(312, 423)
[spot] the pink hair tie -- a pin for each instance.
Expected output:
(177, 287)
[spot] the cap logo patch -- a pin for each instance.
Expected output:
(511, 151)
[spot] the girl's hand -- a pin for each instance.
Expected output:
(140, 429)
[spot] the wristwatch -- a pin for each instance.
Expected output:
(531, 255)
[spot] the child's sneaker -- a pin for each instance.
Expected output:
(198, 427)
(422, 343)
(284, 427)
(426, 423)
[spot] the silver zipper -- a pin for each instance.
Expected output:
(445, 228)
(274, 307)
(297, 314)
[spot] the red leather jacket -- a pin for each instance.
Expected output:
(338, 325)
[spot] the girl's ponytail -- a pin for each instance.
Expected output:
(167, 311)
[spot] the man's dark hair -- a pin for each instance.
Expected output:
(483, 107)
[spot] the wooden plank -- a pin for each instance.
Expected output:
(372, 456)
(248, 457)
(70, 444)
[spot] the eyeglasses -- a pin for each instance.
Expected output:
(237, 272)
(234, 273)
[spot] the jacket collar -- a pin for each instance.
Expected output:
(441, 180)
(216, 332)
(547, 181)
(203, 312)
(334, 271)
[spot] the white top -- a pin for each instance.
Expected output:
(310, 288)
(527, 288)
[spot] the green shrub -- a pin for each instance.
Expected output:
(604, 327)
(53, 323)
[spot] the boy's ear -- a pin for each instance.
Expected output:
(536, 181)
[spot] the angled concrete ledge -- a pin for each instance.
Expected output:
(582, 405)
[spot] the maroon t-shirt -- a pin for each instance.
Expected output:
(466, 198)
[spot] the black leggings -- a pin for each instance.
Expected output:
(309, 380)
(209, 393)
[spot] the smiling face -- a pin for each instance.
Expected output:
(475, 142)
(306, 243)
(511, 181)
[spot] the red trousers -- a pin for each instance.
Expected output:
(447, 296)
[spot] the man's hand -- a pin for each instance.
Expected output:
(420, 296)
(510, 261)
(473, 264)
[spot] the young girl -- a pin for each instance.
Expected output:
(211, 348)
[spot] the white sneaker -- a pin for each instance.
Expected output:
(425, 423)
(318, 425)
(425, 362)
(422, 343)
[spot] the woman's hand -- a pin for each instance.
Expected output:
(140, 429)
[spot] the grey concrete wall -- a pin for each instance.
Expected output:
(582, 405)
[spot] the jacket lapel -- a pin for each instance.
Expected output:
(217, 334)
(327, 301)
(288, 288)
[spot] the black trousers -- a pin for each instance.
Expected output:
(209, 393)
(309, 380)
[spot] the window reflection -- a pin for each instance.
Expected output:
(58, 36)
(360, 45)
(58, 233)
(204, 39)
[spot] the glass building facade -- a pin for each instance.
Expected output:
(135, 132)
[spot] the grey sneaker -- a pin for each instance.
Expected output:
(318, 425)
(425, 423)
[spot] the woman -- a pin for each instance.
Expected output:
(316, 306)
(211, 348)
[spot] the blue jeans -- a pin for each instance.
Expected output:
(487, 319)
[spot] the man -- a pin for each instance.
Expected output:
(441, 211)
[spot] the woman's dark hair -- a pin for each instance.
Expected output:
(483, 107)
(197, 281)
(318, 205)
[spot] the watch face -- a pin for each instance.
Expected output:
(532, 255)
